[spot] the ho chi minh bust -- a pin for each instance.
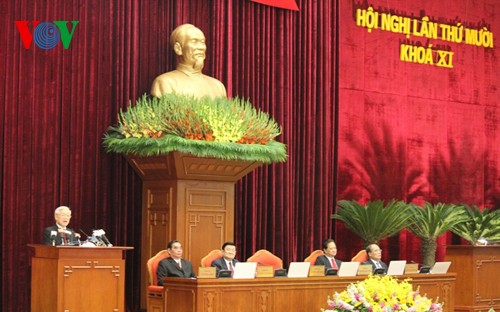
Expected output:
(188, 43)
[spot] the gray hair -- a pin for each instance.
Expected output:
(61, 209)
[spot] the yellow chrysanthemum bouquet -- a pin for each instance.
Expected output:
(381, 294)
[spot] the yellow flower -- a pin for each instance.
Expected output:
(381, 294)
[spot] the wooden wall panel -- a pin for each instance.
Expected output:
(477, 269)
(283, 294)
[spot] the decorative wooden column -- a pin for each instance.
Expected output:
(187, 198)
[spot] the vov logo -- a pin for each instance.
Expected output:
(46, 35)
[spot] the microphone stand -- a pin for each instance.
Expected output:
(53, 236)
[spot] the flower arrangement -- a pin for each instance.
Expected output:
(381, 294)
(230, 129)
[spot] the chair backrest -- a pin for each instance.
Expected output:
(361, 256)
(208, 259)
(312, 257)
(264, 257)
(152, 265)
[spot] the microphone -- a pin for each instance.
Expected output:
(84, 233)
(101, 241)
(91, 241)
(101, 238)
(63, 233)
(67, 232)
(105, 239)
(53, 235)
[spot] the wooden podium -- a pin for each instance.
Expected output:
(478, 270)
(187, 198)
(74, 278)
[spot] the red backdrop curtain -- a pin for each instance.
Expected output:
(298, 66)
(58, 103)
(418, 132)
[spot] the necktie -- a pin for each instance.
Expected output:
(180, 264)
(334, 265)
(65, 241)
(231, 268)
(377, 265)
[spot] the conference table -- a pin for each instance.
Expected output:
(275, 294)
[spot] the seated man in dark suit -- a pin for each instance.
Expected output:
(174, 266)
(375, 254)
(228, 260)
(60, 234)
(328, 260)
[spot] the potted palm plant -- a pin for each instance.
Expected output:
(479, 225)
(430, 222)
(375, 221)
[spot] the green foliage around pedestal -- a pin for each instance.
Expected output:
(230, 129)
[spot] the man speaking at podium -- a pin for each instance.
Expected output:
(60, 234)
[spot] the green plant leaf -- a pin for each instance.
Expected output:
(479, 224)
(431, 221)
(269, 153)
(230, 129)
(374, 221)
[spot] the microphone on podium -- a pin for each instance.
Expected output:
(91, 241)
(84, 233)
(105, 239)
(100, 236)
(53, 236)
(63, 233)
(423, 268)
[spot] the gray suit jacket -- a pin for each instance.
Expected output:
(169, 268)
(384, 266)
(220, 264)
(323, 260)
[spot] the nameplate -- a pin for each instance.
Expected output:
(265, 271)
(317, 270)
(411, 268)
(206, 272)
(365, 269)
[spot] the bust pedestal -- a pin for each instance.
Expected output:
(187, 198)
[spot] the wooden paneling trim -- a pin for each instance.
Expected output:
(282, 294)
